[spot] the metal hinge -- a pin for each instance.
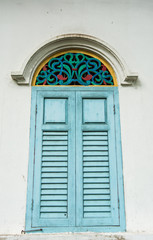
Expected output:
(114, 109)
(32, 205)
(29, 231)
(118, 204)
(36, 109)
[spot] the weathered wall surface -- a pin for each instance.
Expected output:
(125, 25)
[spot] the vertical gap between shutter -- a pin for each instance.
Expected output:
(75, 159)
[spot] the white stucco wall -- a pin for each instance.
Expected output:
(126, 26)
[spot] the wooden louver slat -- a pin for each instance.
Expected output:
(96, 183)
(54, 170)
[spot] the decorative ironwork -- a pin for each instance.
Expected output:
(74, 69)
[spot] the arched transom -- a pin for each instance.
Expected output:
(74, 67)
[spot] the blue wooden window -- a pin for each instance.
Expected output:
(75, 170)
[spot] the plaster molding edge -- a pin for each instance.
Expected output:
(130, 79)
(19, 78)
(81, 41)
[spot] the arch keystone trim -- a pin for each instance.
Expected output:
(81, 42)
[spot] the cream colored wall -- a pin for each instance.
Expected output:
(126, 26)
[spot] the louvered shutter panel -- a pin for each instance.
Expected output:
(96, 185)
(54, 174)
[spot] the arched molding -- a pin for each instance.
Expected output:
(81, 42)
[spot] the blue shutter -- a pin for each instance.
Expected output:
(75, 172)
(54, 174)
(96, 185)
